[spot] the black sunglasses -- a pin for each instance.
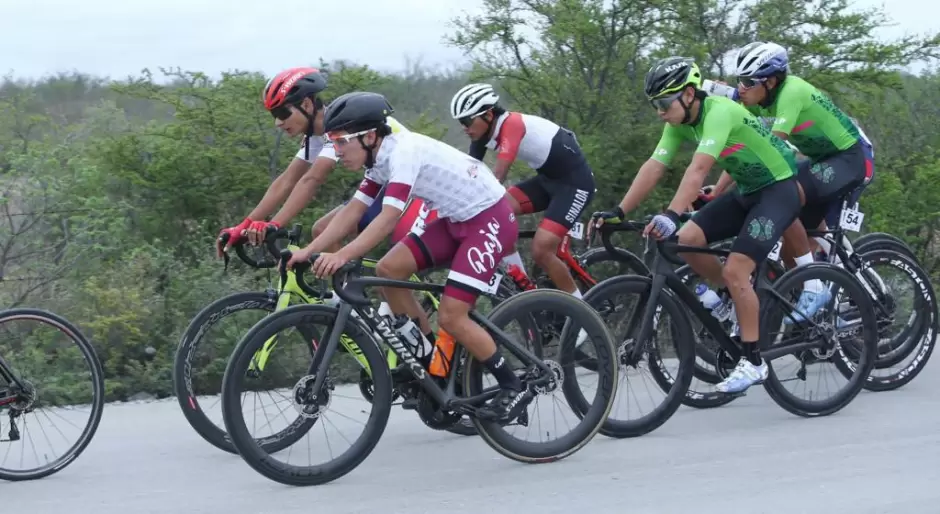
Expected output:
(282, 112)
(662, 103)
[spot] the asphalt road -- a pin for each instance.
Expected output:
(879, 455)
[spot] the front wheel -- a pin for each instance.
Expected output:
(584, 423)
(292, 378)
(808, 346)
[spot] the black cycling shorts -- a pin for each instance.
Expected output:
(758, 219)
(828, 181)
(564, 201)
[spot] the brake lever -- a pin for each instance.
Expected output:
(221, 241)
(282, 269)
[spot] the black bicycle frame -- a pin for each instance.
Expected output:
(663, 276)
(353, 295)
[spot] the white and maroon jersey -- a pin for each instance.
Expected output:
(320, 146)
(523, 136)
(449, 181)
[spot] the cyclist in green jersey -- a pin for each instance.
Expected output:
(804, 116)
(765, 203)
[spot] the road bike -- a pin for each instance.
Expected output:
(664, 294)
(354, 325)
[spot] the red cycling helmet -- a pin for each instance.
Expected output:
(291, 86)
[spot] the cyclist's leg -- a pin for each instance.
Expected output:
(824, 182)
(718, 220)
(473, 265)
(410, 255)
(526, 197)
(771, 211)
(834, 215)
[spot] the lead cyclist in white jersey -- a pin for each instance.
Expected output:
(475, 228)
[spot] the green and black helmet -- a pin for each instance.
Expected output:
(671, 75)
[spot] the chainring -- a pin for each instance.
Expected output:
(432, 415)
(724, 363)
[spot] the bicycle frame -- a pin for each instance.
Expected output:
(289, 288)
(664, 277)
(354, 300)
(564, 253)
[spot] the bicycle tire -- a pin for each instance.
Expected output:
(827, 273)
(924, 336)
(182, 369)
(883, 238)
(253, 454)
(592, 419)
(97, 378)
(635, 284)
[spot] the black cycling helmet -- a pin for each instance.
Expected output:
(671, 75)
(357, 111)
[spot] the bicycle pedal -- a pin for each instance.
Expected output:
(410, 404)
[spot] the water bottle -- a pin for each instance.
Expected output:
(713, 88)
(411, 333)
(386, 312)
(711, 301)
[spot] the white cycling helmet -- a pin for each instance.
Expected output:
(761, 59)
(473, 99)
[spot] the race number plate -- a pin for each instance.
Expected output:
(775, 251)
(852, 219)
(494, 283)
(577, 231)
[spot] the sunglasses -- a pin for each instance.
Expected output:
(282, 112)
(749, 82)
(466, 121)
(663, 103)
(340, 141)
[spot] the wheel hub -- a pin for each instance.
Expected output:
(308, 404)
(557, 377)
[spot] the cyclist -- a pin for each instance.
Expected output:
(292, 97)
(562, 187)
(475, 228)
(804, 116)
(765, 203)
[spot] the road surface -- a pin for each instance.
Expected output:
(879, 455)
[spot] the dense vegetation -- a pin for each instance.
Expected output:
(112, 192)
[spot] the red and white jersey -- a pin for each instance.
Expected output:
(320, 146)
(523, 136)
(449, 181)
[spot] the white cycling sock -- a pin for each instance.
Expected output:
(577, 293)
(516, 259)
(813, 285)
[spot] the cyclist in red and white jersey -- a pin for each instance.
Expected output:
(474, 230)
(292, 97)
(563, 186)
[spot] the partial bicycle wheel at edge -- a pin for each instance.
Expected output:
(301, 317)
(89, 355)
(920, 341)
(579, 315)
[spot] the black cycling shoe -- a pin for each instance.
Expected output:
(506, 406)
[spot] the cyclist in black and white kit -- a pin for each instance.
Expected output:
(563, 186)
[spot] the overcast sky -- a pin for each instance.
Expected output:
(118, 38)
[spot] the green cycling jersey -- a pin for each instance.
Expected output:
(739, 142)
(815, 126)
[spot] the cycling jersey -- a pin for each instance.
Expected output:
(451, 182)
(543, 145)
(738, 141)
(322, 147)
(813, 123)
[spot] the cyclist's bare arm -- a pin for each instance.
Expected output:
(279, 190)
(646, 179)
(724, 182)
(304, 189)
(692, 181)
(376, 232)
(343, 224)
